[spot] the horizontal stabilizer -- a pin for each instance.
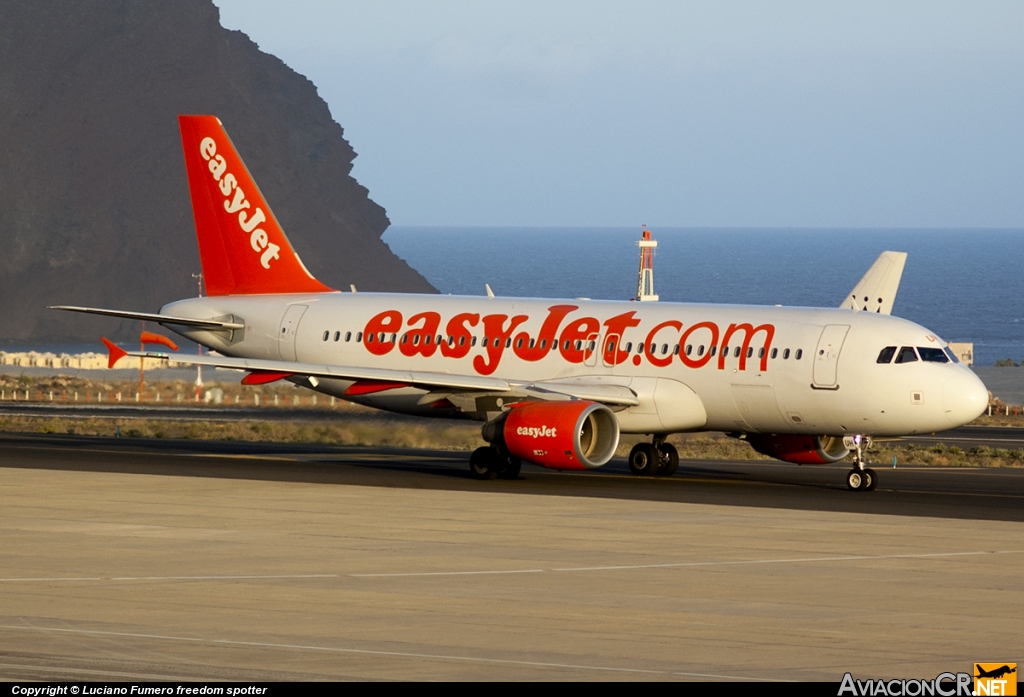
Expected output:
(211, 324)
(876, 292)
(114, 352)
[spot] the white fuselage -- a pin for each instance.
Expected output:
(737, 368)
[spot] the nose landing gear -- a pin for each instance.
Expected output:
(860, 478)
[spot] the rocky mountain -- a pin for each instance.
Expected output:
(94, 201)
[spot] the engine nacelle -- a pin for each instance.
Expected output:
(573, 435)
(802, 450)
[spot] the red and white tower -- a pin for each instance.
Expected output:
(645, 278)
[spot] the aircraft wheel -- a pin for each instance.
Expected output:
(644, 459)
(513, 465)
(669, 460)
(872, 479)
(855, 480)
(483, 463)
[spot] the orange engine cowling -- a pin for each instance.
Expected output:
(802, 450)
(562, 435)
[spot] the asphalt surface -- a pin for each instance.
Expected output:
(131, 559)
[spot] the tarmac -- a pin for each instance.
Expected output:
(127, 560)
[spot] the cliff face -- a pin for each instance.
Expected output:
(94, 202)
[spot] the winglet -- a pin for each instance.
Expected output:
(115, 352)
(876, 292)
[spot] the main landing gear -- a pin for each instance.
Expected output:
(861, 478)
(489, 462)
(659, 458)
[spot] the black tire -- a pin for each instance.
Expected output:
(872, 479)
(855, 480)
(669, 460)
(644, 460)
(483, 463)
(513, 465)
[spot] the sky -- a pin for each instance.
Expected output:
(608, 113)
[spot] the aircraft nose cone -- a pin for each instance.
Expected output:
(964, 397)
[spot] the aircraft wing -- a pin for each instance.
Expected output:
(213, 324)
(614, 395)
(876, 292)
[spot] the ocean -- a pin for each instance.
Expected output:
(965, 285)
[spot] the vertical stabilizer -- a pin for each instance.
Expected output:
(876, 292)
(241, 245)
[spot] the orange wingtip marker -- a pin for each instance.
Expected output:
(262, 377)
(151, 338)
(114, 352)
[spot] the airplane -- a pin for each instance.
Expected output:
(555, 382)
(996, 672)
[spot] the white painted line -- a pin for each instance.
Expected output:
(371, 652)
(452, 573)
(794, 560)
(499, 572)
(249, 577)
(675, 565)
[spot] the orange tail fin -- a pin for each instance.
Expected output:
(241, 245)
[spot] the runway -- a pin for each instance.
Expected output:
(128, 559)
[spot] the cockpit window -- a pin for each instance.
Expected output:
(886, 355)
(932, 355)
(952, 356)
(906, 355)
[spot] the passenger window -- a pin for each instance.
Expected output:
(532, 342)
(785, 355)
(906, 355)
(473, 342)
(700, 350)
(543, 344)
(639, 348)
(359, 337)
(750, 351)
(713, 350)
(799, 354)
(327, 335)
(689, 349)
(337, 336)
(775, 353)
(519, 343)
(737, 352)
(348, 336)
(579, 344)
(725, 351)
(369, 338)
(629, 347)
(405, 338)
(886, 354)
(675, 351)
(416, 340)
(508, 342)
(760, 352)
(462, 340)
(932, 355)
